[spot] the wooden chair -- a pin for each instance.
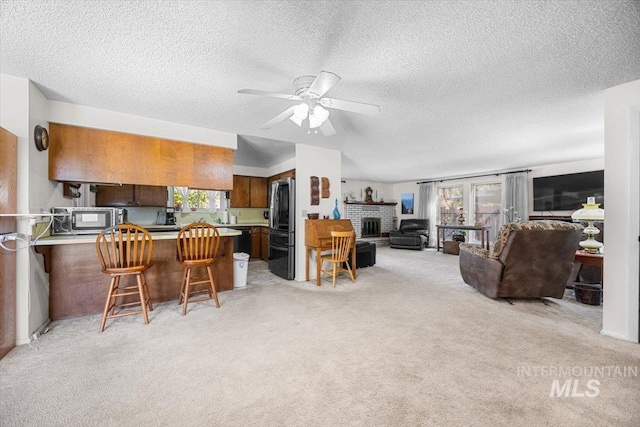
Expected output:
(341, 243)
(197, 247)
(125, 250)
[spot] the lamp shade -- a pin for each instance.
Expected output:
(590, 211)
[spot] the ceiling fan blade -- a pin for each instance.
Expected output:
(277, 119)
(270, 94)
(356, 107)
(322, 83)
(327, 128)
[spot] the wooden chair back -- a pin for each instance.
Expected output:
(198, 241)
(341, 242)
(125, 246)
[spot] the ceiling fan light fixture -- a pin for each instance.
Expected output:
(300, 113)
(297, 120)
(318, 116)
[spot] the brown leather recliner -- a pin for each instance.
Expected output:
(530, 259)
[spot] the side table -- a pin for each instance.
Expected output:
(596, 260)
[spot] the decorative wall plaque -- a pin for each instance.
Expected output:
(315, 191)
(325, 188)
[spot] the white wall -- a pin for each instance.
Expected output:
(250, 171)
(80, 115)
(320, 162)
(380, 190)
(622, 220)
(43, 194)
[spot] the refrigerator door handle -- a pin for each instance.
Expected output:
(273, 220)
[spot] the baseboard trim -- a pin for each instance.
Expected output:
(618, 336)
(34, 336)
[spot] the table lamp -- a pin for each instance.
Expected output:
(590, 213)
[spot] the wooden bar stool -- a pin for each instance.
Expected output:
(197, 247)
(125, 250)
(341, 242)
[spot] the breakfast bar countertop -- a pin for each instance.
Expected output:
(91, 238)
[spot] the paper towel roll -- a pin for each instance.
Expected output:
(225, 217)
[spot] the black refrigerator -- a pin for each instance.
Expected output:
(282, 222)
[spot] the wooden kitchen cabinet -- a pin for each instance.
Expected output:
(241, 194)
(249, 192)
(79, 154)
(129, 195)
(288, 174)
(150, 195)
(264, 243)
(256, 248)
(259, 192)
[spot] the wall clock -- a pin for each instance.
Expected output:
(41, 138)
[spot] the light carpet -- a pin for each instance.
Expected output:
(407, 344)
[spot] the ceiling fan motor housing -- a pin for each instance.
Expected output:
(302, 84)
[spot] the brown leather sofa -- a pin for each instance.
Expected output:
(530, 259)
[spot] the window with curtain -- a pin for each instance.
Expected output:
(487, 202)
(214, 198)
(195, 198)
(450, 199)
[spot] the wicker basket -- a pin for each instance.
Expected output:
(588, 294)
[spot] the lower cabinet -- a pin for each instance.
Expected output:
(260, 243)
(256, 247)
(264, 243)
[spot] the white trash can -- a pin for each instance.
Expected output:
(240, 268)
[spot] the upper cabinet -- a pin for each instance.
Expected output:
(249, 192)
(78, 154)
(241, 193)
(259, 192)
(288, 174)
(131, 195)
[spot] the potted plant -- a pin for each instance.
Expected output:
(458, 235)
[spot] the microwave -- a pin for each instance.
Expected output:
(85, 220)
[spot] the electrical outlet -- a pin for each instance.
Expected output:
(8, 237)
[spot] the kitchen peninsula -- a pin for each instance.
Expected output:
(77, 287)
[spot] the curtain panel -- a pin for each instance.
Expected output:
(427, 209)
(515, 197)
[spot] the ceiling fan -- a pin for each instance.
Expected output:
(310, 90)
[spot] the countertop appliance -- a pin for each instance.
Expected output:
(170, 215)
(71, 220)
(282, 220)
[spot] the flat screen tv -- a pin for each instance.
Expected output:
(567, 192)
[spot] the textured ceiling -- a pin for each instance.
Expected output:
(464, 87)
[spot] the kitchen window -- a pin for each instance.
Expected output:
(198, 199)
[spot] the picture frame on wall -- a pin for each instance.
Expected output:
(406, 201)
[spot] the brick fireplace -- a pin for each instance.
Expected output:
(372, 218)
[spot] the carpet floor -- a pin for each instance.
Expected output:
(408, 344)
